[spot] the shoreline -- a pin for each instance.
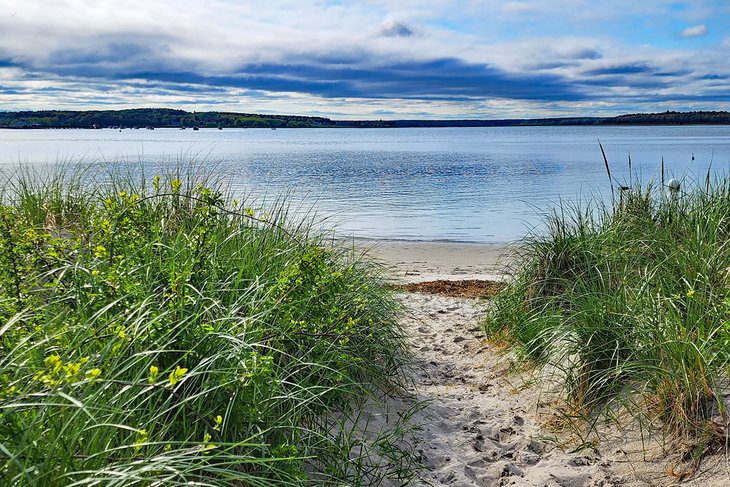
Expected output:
(175, 118)
(416, 261)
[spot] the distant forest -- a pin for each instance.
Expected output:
(165, 117)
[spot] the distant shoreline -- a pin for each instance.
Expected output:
(398, 127)
(151, 118)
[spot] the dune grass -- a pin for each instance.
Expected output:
(630, 304)
(158, 332)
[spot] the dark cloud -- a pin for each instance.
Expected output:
(554, 65)
(447, 78)
(713, 77)
(566, 59)
(108, 58)
(634, 75)
(345, 56)
(672, 74)
(709, 97)
(394, 28)
(645, 82)
(634, 68)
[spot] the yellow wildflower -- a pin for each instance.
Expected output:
(100, 252)
(93, 374)
(153, 374)
(52, 361)
(72, 369)
(690, 293)
(207, 445)
(140, 440)
(176, 375)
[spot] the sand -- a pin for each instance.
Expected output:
(425, 261)
(477, 426)
(483, 424)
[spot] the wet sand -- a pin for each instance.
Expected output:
(425, 261)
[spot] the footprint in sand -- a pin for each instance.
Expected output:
(471, 437)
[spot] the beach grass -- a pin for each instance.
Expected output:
(628, 304)
(156, 331)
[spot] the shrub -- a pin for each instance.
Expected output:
(158, 332)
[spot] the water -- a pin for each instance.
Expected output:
(458, 184)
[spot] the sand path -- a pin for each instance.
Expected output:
(477, 428)
(480, 425)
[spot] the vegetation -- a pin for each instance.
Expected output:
(155, 332)
(154, 117)
(664, 118)
(165, 117)
(629, 304)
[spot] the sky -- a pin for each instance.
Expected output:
(373, 59)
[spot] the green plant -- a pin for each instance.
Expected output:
(154, 331)
(630, 302)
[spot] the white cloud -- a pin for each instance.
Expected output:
(698, 30)
(519, 7)
(85, 47)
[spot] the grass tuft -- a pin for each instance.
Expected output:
(631, 302)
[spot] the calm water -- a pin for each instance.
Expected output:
(462, 184)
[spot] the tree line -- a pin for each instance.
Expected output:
(165, 117)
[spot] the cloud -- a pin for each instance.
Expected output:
(519, 7)
(394, 28)
(428, 57)
(585, 53)
(698, 30)
(437, 79)
(633, 68)
(713, 77)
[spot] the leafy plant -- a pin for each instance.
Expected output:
(153, 332)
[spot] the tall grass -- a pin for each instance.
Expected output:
(631, 302)
(159, 332)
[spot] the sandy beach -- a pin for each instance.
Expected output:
(484, 424)
(424, 261)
